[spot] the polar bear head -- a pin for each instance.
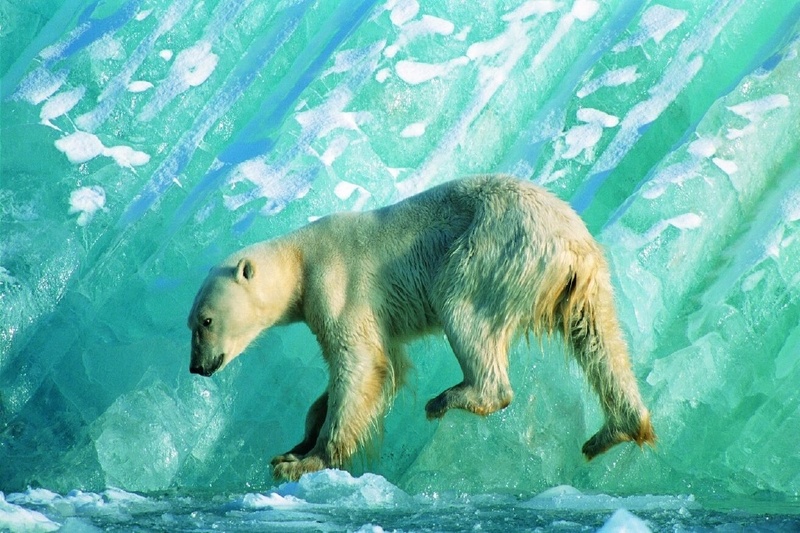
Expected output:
(225, 317)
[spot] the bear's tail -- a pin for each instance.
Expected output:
(593, 335)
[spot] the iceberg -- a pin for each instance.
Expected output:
(143, 142)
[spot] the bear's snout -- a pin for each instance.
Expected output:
(206, 370)
(197, 369)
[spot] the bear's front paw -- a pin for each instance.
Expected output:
(285, 458)
(290, 468)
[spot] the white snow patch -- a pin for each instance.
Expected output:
(675, 174)
(195, 64)
(612, 78)
(54, 50)
(344, 189)
(702, 148)
(791, 207)
(80, 147)
(382, 75)
(328, 117)
(391, 51)
(588, 114)
(754, 110)
(687, 221)
(656, 22)
(491, 47)
(127, 157)
(462, 35)
(106, 48)
(139, 86)
(678, 173)
(531, 8)
(347, 59)
(60, 104)
(334, 150)
(416, 129)
(490, 79)
(414, 73)
(583, 10)
(426, 25)
(401, 11)
(86, 201)
(39, 85)
(584, 137)
(751, 281)
(192, 67)
(166, 55)
(141, 15)
(429, 24)
(727, 166)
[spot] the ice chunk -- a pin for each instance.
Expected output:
(16, 518)
(623, 521)
(341, 488)
(565, 497)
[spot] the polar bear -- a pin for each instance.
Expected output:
(483, 259)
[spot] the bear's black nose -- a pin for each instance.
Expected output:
(197, 369)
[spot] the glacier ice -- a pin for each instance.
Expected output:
(142, 142)
(336, 501)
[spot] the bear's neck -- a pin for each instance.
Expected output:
(280, 281)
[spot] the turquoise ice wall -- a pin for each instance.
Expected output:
(144, 140)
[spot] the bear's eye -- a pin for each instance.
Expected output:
(207, 322)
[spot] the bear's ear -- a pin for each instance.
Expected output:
(245, 270)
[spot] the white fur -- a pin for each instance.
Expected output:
(484, 259)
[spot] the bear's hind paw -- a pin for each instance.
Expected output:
(466, 397)
(607, 437)
(436, 407)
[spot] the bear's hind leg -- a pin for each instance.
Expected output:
(314, 420)
(483, 357)
(600, 350)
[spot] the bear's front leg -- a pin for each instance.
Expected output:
(314, 420)
(355, 401)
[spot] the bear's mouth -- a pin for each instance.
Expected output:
(208, 370)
